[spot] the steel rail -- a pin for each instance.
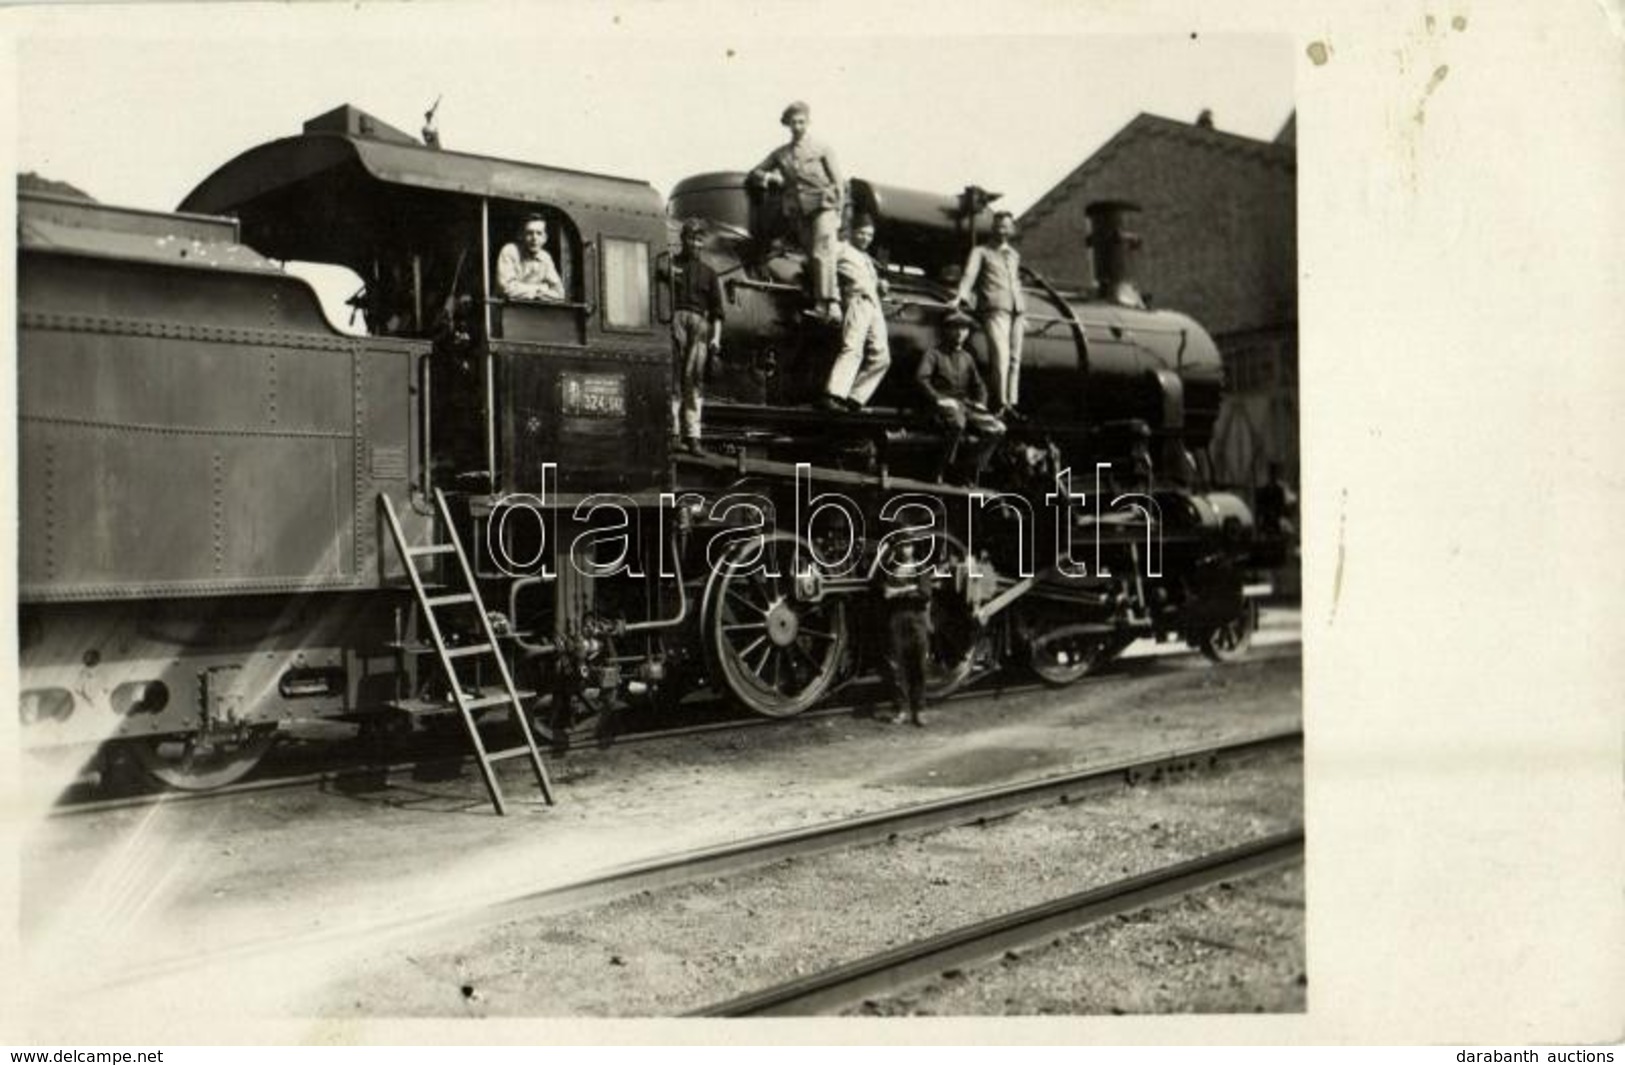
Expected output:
(977, 807)
(892, 970)
(583, 741)
(706, 863)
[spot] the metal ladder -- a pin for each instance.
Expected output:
(467, 704)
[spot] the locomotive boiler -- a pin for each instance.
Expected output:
(236, 516)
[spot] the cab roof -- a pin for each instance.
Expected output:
(346, 159)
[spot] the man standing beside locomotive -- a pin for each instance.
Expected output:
(696, 330)
(865, 354)
(905, 592)
(814, 199)
(948, 377)
(524, 270)
(993, 274)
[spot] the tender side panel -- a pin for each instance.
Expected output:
(166, 451)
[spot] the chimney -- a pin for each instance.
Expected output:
(1205, 119)
(1113, 247)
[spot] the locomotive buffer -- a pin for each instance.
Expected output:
(467, 704)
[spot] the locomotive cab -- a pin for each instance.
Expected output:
(578, 382)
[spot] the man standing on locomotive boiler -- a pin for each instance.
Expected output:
(864, 356)
(948, 377)
(814, 198)
(696, 331)
(993, 275)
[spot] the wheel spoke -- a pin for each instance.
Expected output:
(767, 653)
(752, 646)
(740, 597)
(746, 626)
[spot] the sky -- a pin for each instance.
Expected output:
(135, 105)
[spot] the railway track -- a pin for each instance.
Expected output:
(893, 970)
(584, 740)
(976, 807)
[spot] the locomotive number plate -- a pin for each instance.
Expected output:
(594, 395)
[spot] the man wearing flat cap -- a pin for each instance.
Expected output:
(948, 377)
(696, 330)
(814, 197)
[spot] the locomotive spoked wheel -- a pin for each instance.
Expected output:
(776, 654)
(1067, 654)
(186, 763)
(1233, 639)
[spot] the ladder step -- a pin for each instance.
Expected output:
(484, 701)
(471, 649)
(419, 707)
(511, 752)
(448, 600)
(430, 549)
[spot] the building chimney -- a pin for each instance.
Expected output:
(1113, 247)
(1205, 119)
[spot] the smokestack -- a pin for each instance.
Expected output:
(1113, 247)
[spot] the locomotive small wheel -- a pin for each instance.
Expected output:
(181, 763)
(1061, 656)
(1233, 639)
(778, 656)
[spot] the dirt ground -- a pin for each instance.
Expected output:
(284, 891)
(668, 952)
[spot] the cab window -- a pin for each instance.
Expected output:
(510, 225)
(626, 284)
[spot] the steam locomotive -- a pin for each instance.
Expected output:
(212, 475)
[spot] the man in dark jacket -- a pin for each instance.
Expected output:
(905, 593)
(696, 331)
(948, 377)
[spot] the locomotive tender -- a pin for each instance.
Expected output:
(205, 459)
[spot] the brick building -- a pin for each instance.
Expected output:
(1219, 232)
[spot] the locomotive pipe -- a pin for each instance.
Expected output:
(1068, 315)
(420, 502)
(490, 356)
(518, 586)
(682, 603)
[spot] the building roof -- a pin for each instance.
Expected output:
(1278, 154)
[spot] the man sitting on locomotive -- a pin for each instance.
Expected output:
(948, 377)
(865, 355)
(814, 200)
(524, 270)
(696, 330)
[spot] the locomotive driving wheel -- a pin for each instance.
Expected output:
(1234, 638)
(778, 653)
(193, 763)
